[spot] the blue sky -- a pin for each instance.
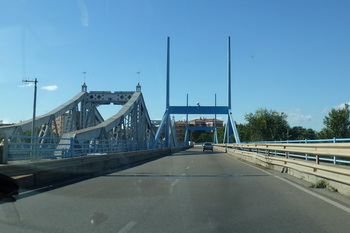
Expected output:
(288, 56)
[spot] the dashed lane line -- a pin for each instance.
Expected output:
(127, 227)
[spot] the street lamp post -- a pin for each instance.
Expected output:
(35, 81)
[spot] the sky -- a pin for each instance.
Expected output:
(286, 56)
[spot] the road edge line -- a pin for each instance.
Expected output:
(329, 201)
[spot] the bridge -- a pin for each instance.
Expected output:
(77, 128)
(124, 174)
(190, 191)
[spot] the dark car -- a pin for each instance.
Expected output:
(207, 146)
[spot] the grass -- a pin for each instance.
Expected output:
(321, 184)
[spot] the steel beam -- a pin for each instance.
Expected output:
(201, 128)
(198, 110)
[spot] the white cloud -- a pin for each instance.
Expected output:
(296, 117)
(341, 106)
(50, 88)
(27, 85)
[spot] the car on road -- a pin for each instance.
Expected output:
(207, 146)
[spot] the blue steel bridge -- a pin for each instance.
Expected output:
(77, 128)
(146, 191)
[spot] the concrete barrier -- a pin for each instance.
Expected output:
(337, 178)
(43, 173)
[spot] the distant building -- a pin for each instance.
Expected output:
(62, 123)
(59, 123)
(181, 125)
(197, 122)
(180, 130)
(206, 122)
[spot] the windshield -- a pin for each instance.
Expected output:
(159, 116)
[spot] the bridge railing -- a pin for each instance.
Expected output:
(34, 148)
(336, 151)
(329, 140)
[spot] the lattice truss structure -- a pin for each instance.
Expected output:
(79, 118)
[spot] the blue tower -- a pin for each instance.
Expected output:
(168, 127)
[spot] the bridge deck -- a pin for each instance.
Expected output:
(190, 191)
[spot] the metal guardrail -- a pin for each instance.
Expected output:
(29, 148)
(332, 140)
(319, 150)
(336, 176)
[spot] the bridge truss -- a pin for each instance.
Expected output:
(79, 124)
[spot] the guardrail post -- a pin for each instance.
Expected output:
(5, 151)
(94, 149)
(37, 151)
(287, 154)
(71, 147)
(306, 155)
(317, 159)
(334, 157)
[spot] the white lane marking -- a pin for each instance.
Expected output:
(127, 227)
(329, 201)
(173, 184)
(336, 204)
(188, 167)
(34, 190)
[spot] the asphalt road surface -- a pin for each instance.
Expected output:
(189, 191)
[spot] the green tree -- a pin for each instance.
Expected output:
(205, 137)
(337, 123)
(310, 134)
(266, 125)
(221, 132)
(243, 132)
(325, 134)
(194, 134)
(201, 136)
(301, 133)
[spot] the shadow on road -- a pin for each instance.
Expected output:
(24, 193)
(28, 192)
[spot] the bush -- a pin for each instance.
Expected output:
(321, 184)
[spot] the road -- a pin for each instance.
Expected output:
(189, 191)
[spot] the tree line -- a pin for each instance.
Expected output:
(270, 125)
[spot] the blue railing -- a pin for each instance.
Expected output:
(331, 159)
(33, 148)
(332, 140)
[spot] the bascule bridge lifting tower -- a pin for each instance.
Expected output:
(167, 125)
